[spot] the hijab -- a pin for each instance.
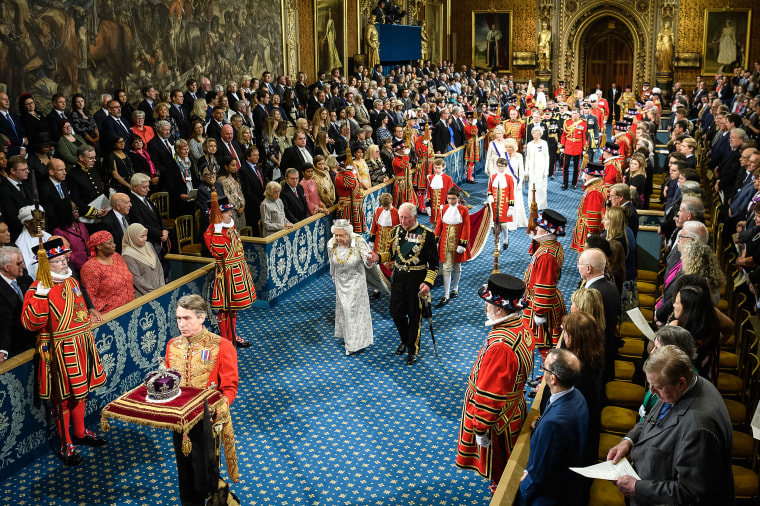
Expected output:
(144, 254)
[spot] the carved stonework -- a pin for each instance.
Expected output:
(290, 20)
(576, 16)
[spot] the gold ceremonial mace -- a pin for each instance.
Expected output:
(533, 212)
(495, 253)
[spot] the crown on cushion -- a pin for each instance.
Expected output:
(162, 385)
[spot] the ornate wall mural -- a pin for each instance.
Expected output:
(92, 46)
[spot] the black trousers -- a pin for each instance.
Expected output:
(195, 480)
(566, 168)
(405, 307)
(552, 160)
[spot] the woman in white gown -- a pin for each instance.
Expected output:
(516, 170)
(537, 166)
(497, 149)
(347, 253)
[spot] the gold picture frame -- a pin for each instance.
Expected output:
(330, 35)
(492, 40)
(726, 39)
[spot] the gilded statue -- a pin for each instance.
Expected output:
(425, 55)
(372, 43)
(665, 48)
(544, 46)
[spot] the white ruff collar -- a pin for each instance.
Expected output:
(512, 316)
(437, 182)
(500, 180)
(385, 219)
(60, 278)
(452, 216)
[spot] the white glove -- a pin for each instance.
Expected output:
(460, 250)
(510, 212)
(539, 320)
(429, 211)
(41, 290)
(484, 440)
(218, 228)
(489, 199)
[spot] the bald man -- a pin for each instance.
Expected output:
(591, 264)
(53, 189)
(229, 147)
(117, 220)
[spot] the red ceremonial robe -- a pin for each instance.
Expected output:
(590, 213)
(503, 198)
(403, 186)
(544, 298)
(472, 149)
(381, 235)
(350, 200)
(233, 285)
(435, 198)
(451, 236)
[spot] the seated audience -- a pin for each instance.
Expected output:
(105, 275)
(70, 228)
(141, 260)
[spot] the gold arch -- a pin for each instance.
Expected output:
(577, 26)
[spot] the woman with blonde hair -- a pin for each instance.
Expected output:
(588, 301)
(377, 171)
(141, 260)
(698, 258)
(270, 149)
(200, 111)
(325, 186)
(281, 134)
(320, 121)
(161, 113)
(320, 144)
(617, 230)
(245, 137)
(273, 210)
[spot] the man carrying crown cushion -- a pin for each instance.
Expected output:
(69, 366)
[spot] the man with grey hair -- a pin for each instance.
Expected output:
(620, 196)
(413, 248)
(591, 265)
(161, 151)
(145, 213)
(102, 113)
(117, 221)
(218, 371)
(14, 338)
(681, 449)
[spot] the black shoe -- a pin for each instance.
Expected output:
(564, 187)
(411, 360)
(69, 455)
(401, 349)
(241, 343)
(575, 187)
(453, 294)
(89, 439)
(442, 302)
(532, 394)
(471, 181)
(376, 294)
(534, 382)
(551, 177)
(504, 246)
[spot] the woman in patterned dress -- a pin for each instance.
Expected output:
(105, 275)
(230, 179)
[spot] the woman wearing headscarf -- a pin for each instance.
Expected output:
(105, 275)
(141, 260)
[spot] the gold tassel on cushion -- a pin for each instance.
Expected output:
(187, 445)
(104, 425)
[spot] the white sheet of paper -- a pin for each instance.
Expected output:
(755, 424)
(100, 203)
(641, 323)
(607, 470)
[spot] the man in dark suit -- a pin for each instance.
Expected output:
(190, 96)
(591, 264)
(149, 94)
(15, 193)
(214, 127)
(161, 151)
(102, 113)
(117, 221)
(730, 168)
(14, 338)
(253, 183)
(145, 213)
(556, 443)
(10, 126)
(293, 198)
(297, 155)
(441, 137)
(620, 196)
(229, 147)
(681, 449)
(177, 111)
(53, 188)
(56, 115)
(259, 112)
(613, 94)
(458, 126)
(315, 102)
(114, 127)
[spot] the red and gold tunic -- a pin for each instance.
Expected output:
(574, 138)
(435, 198)
(449, 236)
(233, 285)
(62, 319)
(425, 160)
(208, 361)
(381, 235)
(544, 298)
(494, 401)
(472, 149)
(590, 213)
(515, 130)
(605, 106)
(403, 186)
(613, 172)
(492, 120)
(350, 200)
(503, 196)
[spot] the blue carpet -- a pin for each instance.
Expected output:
(312, 425)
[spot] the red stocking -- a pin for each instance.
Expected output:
(233, 326)
(224, 325)
(63, 423)
(470, 168)
(77, 416)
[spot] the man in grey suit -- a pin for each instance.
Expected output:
(681, 449)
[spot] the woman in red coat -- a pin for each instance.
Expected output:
(233, 285)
